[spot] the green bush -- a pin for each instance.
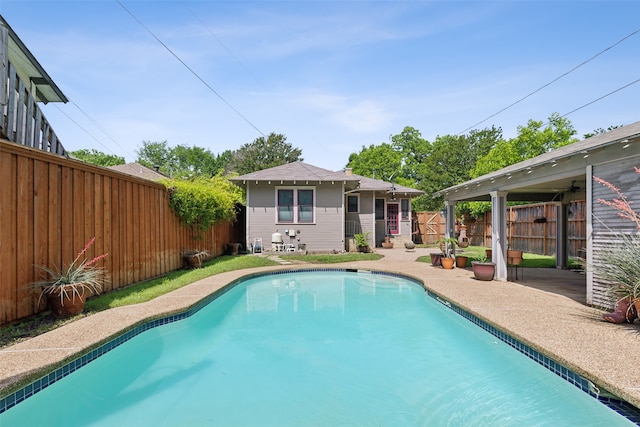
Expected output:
(202, 202)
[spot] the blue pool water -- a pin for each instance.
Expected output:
(315, 349)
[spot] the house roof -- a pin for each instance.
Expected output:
(138, 170)
(30, 69)
(295, 171)
(300, 171)
(371, 184)
(550, 175)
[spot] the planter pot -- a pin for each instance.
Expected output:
(387, 245)
(447, 263)
(483, 270)
(461, 261)
(192, 261)
(436, 259)
(66, 306)
(363, 249)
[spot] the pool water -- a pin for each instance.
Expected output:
(315, 349)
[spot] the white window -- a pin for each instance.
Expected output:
(295, 205)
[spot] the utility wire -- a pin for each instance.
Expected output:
(190, 69)
(555, 80)
(598, 99)
(219, 41)
(86, 131)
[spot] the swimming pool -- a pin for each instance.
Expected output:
(315, 348)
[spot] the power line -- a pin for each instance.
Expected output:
(555, 80)
(219, 41)
(191, 70)
(598, 99)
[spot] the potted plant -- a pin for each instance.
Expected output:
(67, 288)
(447, 262)
(483, 269)
(448, 245)
(619, 263)
(362, 241)
(461, 261)
(436, 258)
(194, 259)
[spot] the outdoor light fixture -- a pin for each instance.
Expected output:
(586, 154)
(626, 143)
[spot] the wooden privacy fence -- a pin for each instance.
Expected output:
(50, 207)
(530, 228)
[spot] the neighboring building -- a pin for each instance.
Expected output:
(318, 210)
(25, 84)
(136, 169)
(560, 176)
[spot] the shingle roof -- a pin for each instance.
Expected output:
(295, 171)
(300, 171)
(138, 170)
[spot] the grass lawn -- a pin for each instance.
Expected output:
(145, 291)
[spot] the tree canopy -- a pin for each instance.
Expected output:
(264, 153)
(182, 160)
(97, 158)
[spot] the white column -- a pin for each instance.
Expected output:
(499, 233)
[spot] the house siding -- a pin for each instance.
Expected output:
(325, 234)
(606, 223)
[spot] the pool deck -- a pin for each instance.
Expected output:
(544, 310)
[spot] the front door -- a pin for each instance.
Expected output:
(392, 219)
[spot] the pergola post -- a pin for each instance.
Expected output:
(562, 215)
(499, 233)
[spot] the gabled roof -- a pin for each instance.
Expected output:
(138, 170)
(371, 184)
(304, 172)
(297, 172)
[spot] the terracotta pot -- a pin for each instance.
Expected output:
(447, 263)
(436, 259)
(68, 305)
(483, 270)
(387, 245)
(461, 261)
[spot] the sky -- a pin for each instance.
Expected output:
(332, 76)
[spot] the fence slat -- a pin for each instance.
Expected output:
(51, 206)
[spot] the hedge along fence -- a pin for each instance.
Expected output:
(51, 206)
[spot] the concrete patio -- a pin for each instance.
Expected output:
(545, 310)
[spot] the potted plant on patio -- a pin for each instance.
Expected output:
(483, 269)
(619, 262)
(362, 241)
(66, 289)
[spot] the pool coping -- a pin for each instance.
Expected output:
(76, 361)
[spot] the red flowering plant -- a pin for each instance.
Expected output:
(77, 279)
(620, 261)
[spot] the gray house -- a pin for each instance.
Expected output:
(297, 207)
(559, 176)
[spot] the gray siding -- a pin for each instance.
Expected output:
(324, 235)
(606, 224)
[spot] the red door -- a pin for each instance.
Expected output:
(392, 219)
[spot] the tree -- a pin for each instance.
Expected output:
(532, 140)
(98, 158)
(600, 131)
(182, 160)
(156, 153)
(264, 153)
(376, 161)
